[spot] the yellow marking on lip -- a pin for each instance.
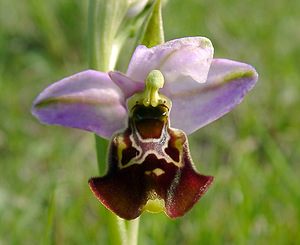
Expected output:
(121, 145)
(157, 172)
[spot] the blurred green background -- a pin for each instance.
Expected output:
(253, 152)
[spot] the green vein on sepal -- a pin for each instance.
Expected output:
(238, 75)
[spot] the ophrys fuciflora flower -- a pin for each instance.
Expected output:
(150, 167)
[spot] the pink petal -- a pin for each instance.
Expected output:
(227, 84)
(128, 86)
(88, 100)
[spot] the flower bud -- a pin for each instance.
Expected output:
(136, 7)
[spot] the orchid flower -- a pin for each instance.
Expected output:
(168, 91)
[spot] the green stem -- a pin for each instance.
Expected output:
(129, 231)
(127, 234)
(122, 230)
(94, 63)
(132, 231)
(101, 149)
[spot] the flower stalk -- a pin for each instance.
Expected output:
(104, 48)
(98, 64)
(101, 144)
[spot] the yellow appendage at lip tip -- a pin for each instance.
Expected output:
(154, 206)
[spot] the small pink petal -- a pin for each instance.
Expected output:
(127, 85)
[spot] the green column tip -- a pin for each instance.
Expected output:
(154, 81)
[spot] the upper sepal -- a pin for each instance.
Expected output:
(184, 62)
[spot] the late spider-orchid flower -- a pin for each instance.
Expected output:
(150, 167)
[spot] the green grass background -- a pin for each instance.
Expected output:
(253, 152)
